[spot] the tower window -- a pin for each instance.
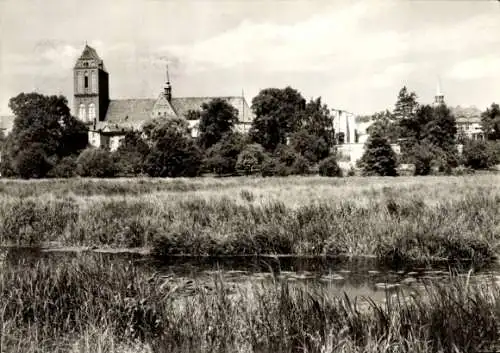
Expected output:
(81, 113)
(86, 85)
(91, 112)
(80, 82)
(93, 76)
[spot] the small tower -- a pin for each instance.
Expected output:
(91, 87)
(439, 97)
(167, 89)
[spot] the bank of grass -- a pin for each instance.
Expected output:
(396, 219)
(91, 305)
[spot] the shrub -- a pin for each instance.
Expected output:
(250, 159)
(32, 163)
(273, 167)
(478, 155)
(222, 157)
(300, 166)
(65, 168)
(329, 167)
(97, 163)
(422, 159)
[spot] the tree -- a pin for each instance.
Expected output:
(43, 123)
(97, 163)
(422, 157)
(131, 154)
(222, 157)
(278, 113)
(173, 153)
(251, 158)
(313, 148)
(317, 121)
(217, 118)
(406, 105)
(378, 158)
(385, 125)
(490, 122)
(440, 129)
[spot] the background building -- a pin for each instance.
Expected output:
(109, 120)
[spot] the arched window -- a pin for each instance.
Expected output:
(80, 82)
(86, 85)
(81, 113)
(91, 112)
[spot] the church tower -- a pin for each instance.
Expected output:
(439, 97)
(91, 88)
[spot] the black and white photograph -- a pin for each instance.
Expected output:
(259, 176)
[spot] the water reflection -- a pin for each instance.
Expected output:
(360, 277)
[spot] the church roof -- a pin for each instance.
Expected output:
(89, 53)
(182, 105)
(133, 113)
(129, 110)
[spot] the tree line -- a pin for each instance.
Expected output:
(289, 135)
(428, 137)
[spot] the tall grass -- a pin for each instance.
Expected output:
(89, 306)
(413, 219)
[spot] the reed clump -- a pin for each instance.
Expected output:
(86, 305)
(406, 221)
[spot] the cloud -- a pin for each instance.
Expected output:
(322, 42)
(475, 68)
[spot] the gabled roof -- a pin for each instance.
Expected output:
(124, 111)
(182, 105)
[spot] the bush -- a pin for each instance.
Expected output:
(422, 159)
(250, 159)
(65, 168)
(222, 157)
(478, 155)
(329, 167)
(273, 167)
(300, 166)
(32, 163)
(97, 163)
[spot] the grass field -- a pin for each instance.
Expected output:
(397, 219)
(91, 305)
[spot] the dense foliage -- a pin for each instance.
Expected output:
(44, 132)
(379, 157)
(217, 118)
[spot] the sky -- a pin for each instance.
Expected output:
(356, 55)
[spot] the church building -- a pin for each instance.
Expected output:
(108, 120)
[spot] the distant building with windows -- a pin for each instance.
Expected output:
(109, 120)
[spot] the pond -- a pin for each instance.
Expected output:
(356, 277)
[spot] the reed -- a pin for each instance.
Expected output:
(409, 219)
(101, 306)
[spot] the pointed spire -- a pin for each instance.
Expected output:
(439, 97)
(167, 90)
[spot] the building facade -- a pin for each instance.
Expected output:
(108, 120)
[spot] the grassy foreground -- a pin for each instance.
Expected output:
(91, 305)
(397, 219)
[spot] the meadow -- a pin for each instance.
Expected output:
(92, 305)
(399, 220)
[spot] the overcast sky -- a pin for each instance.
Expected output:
(355, 55)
